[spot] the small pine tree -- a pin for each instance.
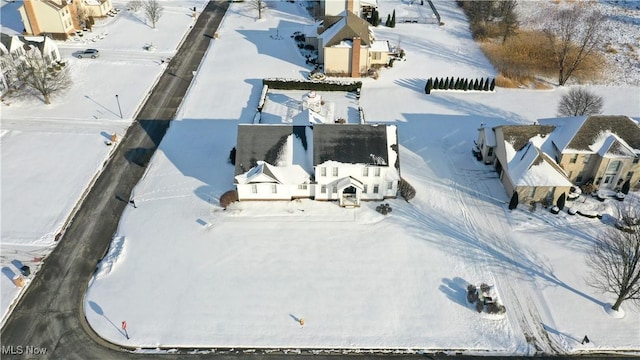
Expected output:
(457, 85)
(561, 200)
(475, 84)
(375, 18)
(470, 87)
(486, 85)
(493, 84)
(465, 84)
(481, 84)
(441, 84)
(446, 84)
(429, 86)
(436, 84)
(514, 201)
(388, 22)
(626, 187)
(393, 19)
(232, 156)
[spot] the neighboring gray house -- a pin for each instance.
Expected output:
(342, 162)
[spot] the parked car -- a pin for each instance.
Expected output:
(92, 53)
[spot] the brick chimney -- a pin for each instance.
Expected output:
(355, 57)
(350, 5)
(30, 11)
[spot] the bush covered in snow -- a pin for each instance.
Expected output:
(298, 84)
(407, 191)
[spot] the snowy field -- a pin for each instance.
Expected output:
(51, 153)
(182, 272)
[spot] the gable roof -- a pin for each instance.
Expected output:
(346, 28)
(350, 144)
(266, 173)
(530, 166)
(267, 143)
(518, 135)
(585, 133)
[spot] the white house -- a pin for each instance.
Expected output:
(347, 163)
(12, 47)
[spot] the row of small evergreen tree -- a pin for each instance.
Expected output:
(459, 84)
(375, 19)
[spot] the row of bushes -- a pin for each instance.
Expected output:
(459, 84)
(326, 85)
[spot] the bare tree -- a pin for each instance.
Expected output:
(134, 5)
(573, 34)
(509, 23)
(615, 265)
(153, 11)
(81, 15)
(258, 5)
(31, 72)
(580, 101)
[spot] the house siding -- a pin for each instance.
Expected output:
(337, 60)
(40, 17)
(387, 175)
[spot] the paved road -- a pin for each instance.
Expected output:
(50, 315)
(48, 322)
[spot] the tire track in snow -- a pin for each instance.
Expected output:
(494, 245)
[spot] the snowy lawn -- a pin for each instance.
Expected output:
(50, 153)
(182, 272)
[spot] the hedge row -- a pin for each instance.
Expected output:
(326, 85)
(459, 84)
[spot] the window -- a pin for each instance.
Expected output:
(302, 187)
(579, 177)
(629, 175)
(532, 194)
(274, 188)
(364, 189)
(376, 55)
(365, 171)
(334, 189)
(53, 56)
(377, 171)
(490, 152)
(614, 166)
(323, 171)
(254, 188)
(334, 171)
(323, 189)
(574, 159)
(586, 159)
(375, 189)
(390, 186)
(636, 160)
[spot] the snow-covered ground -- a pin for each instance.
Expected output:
(51, 153)
(182, 272)
(197, 276)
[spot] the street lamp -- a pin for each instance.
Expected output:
(119, 108)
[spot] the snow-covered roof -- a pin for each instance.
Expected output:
(348, 27)
(584, 133)
(380, 46)
(530, 166)
(266, 173)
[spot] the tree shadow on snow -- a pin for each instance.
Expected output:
(455, 289)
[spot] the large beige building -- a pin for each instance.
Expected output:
(347, 46)
(544, 160)
(59, 18)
